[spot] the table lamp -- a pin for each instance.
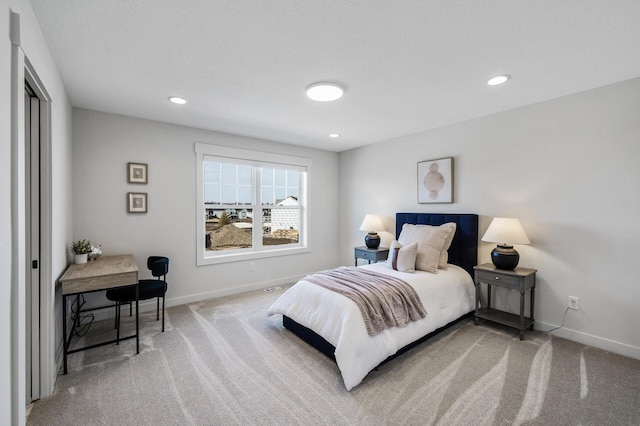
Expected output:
(506, 232)
(372, 224)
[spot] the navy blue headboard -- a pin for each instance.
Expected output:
(464, 247)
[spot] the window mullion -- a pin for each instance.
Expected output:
(257, 207)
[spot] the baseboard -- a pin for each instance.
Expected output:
(234, 290)
(566, 333)
(150, 305)
(591, 340)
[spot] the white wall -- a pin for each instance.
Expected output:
(567, 168)
(102, 146)
(35, 50)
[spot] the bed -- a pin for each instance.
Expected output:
(334, 325)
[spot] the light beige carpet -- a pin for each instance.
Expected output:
(224, 362)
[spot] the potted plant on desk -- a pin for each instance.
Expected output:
(81, 249)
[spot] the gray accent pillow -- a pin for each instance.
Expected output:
(402, 258)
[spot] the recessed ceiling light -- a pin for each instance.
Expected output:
(499, 79)
(177, 100)
(324, 91)
(334, 135)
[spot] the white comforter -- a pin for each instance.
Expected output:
(446, 296)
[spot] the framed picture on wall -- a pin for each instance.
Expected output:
(435, 181)
(136, 202)
(137, 173)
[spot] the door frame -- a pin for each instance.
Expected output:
(32, 228)
(47, 369)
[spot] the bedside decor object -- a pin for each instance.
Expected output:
(505, 231)
(435, 181)
(137, 173)
(136, 202)
(372, 224)
(80, 249)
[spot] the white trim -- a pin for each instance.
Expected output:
(235, 290)
(18, 262)
(245, 154)
(48, 318)
(150, 305)
(236, 257)
(259, 159)
(591, 340)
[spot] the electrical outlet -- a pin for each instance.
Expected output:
(574, 302)
(252, 266)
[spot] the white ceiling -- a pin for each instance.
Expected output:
(408, 65)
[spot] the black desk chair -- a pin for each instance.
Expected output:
(147, 289)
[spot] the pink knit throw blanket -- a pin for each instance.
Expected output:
(383, 300)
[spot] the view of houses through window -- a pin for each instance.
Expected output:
(250, 206)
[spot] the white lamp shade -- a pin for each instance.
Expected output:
(505, 230)
(372, 223)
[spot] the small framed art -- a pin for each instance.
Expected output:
(435, 181)
(137, 173)
(136, 202)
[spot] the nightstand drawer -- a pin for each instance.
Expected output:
(499, 279)
(366, 255)
(371, 255)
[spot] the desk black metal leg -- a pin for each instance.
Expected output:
(137, 320)
(64, 332)
(118, 307)
(76, 319)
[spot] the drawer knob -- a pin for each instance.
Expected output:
(497, 278)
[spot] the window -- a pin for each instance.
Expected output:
(250, 204)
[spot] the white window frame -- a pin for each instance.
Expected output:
(258, 158)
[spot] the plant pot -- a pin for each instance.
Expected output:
(79, 259)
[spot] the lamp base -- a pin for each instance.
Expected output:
(372, 240)
(505, 257)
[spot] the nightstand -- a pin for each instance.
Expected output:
(521, 279)
(372, 255)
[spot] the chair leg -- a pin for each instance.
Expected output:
(115, 323)
(118, 304)
(130, 308)
(157, 308)
(163, 314)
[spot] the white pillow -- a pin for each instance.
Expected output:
(431, 241)
(444, 254)
(402, 258)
